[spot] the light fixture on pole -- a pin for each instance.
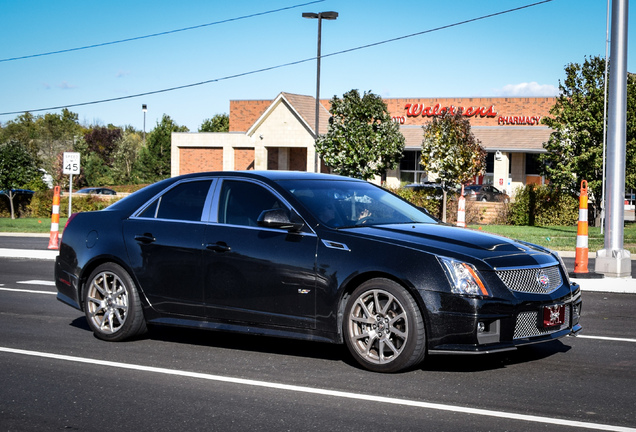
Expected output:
(144, 108)
(319, 16)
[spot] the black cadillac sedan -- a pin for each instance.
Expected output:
(309, 256)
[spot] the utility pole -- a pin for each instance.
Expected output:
(614, 260)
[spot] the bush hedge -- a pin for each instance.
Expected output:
(42, 203)
(543, 206)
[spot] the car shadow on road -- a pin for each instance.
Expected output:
(481, 363)
(339, 353)
(244, 342)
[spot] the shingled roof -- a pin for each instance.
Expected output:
(305, 106)
(515, 139)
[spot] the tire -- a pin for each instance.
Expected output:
(112, 305)
(383, 327)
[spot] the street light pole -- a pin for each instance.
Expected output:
(144, 108)
(319, 16)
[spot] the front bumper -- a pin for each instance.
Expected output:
(476, 326)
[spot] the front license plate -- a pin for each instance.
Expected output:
(553, 315)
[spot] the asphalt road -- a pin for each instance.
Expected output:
(54, 375)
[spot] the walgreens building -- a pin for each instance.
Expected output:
(279, 134)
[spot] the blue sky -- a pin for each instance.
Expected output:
(521, 53)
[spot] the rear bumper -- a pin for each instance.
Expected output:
(67, 285)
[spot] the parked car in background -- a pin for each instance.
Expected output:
(97, 191)
(309, 256)
(432, 188)
(485, 193)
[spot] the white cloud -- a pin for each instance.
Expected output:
(122, 73)
(66, 86)
(532, 89)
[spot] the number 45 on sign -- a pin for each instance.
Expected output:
(71, 163)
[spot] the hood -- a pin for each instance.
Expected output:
(472, 246)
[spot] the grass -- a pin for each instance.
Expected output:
(560, 238)
(28, 225)
(556, 238)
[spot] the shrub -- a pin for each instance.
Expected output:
(543, 206)
(421, 198)
(20, 205)
(42, 203)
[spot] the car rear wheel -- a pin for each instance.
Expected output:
(112, 305)
(384, 329)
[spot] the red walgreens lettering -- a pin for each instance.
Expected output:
(414, 110)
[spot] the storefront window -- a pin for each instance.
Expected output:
(411, 171)
(532, 164)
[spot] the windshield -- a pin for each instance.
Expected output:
(345, 203)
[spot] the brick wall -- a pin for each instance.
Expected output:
(243, 113)
(200, 159)
(503, 107)
(243, 159)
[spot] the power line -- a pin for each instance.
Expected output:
(159, 34)
(281, 65)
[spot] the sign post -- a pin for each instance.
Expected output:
(71, 165)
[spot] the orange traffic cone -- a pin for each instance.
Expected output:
(461, 210)
(580, 261)
(55, 220)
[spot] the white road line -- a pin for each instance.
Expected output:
(607, 338)
(28, 291)
(325, 392)
(28, 253)
(37, 282)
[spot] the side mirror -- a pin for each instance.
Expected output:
(279, 219)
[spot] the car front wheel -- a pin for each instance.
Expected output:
(112, 305)
(384, 329)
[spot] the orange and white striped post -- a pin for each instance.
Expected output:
(55, 220)
(461, 210)
(580, 260)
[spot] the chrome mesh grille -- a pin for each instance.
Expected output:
(528, 324)
(532, 280)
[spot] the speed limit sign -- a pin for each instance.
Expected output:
(71, 163)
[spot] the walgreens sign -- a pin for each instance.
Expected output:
(421, 110)
(414, 110)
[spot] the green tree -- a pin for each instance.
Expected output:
(362, 140)
(44, 137)
(23, 130)
(575, 147)
(154, 159)
(125, 155)
(56, 133)
(17, 169)
(218, 123)
(451, 152)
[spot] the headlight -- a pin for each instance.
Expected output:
(463, 277)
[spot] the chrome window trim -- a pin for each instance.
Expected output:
(214, 211)
(206, 208)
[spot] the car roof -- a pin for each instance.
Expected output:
(132, 202)
(269, 175)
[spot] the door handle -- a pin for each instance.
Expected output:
(218, 247)
(145, 238)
